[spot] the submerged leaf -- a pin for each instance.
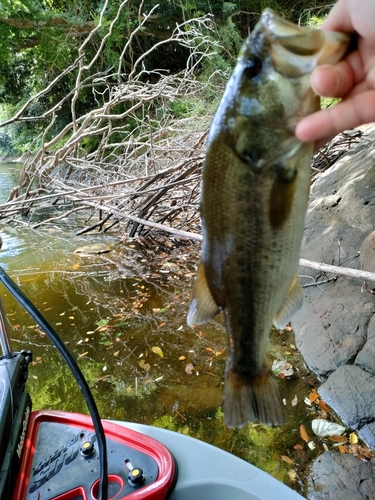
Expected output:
(144, 365)
(287, 459)
(157, 351)
(303, 433)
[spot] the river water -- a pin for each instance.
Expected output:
(122, 314)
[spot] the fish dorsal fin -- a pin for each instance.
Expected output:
(202, 305)
(292, 303)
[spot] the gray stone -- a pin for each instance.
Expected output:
(350, 391)
(337, 476)
(331, 329)
(335, 330)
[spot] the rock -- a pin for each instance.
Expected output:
(350, 391)
(335, 330)
(337, 476)
(366, 357)
(367, 255)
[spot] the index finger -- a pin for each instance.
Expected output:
(339, 18)
(347, 114)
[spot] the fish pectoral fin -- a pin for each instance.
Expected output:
(255, 398)
(293, 302)
(202, 305)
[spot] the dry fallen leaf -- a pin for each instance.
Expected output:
(353, 438)
(83, 354)
(181, 358)
(325, 428)
(313, 396)
(338, 439)
(324, 407)
(287, 459)
(343, 449)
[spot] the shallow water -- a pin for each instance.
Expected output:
(122, 314)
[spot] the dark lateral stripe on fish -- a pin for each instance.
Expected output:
(281, 200)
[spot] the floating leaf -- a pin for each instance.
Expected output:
(303, 433)
(157, 351)
(325, 428)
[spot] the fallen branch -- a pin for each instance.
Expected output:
(343, 271)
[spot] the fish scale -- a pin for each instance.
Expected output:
(256, 179)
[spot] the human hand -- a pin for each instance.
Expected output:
(352, 79)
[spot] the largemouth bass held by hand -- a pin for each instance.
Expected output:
(255, 191)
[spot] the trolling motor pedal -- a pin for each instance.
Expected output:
(61, 461)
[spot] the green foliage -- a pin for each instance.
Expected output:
(40, 38)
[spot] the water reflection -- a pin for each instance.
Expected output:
(123, 316)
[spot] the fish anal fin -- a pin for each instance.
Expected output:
(250, 399)
(202, 305)
(293, 302)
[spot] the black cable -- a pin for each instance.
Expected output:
(78, 375)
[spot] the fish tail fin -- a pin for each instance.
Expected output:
(248, 399)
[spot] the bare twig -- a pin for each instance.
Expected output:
(342, 271)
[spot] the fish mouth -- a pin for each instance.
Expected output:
(295, 50)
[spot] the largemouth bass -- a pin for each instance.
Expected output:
(256, 180)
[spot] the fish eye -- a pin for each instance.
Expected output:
(253, 67)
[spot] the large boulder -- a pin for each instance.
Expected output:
(336, 476)
(335, 330)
